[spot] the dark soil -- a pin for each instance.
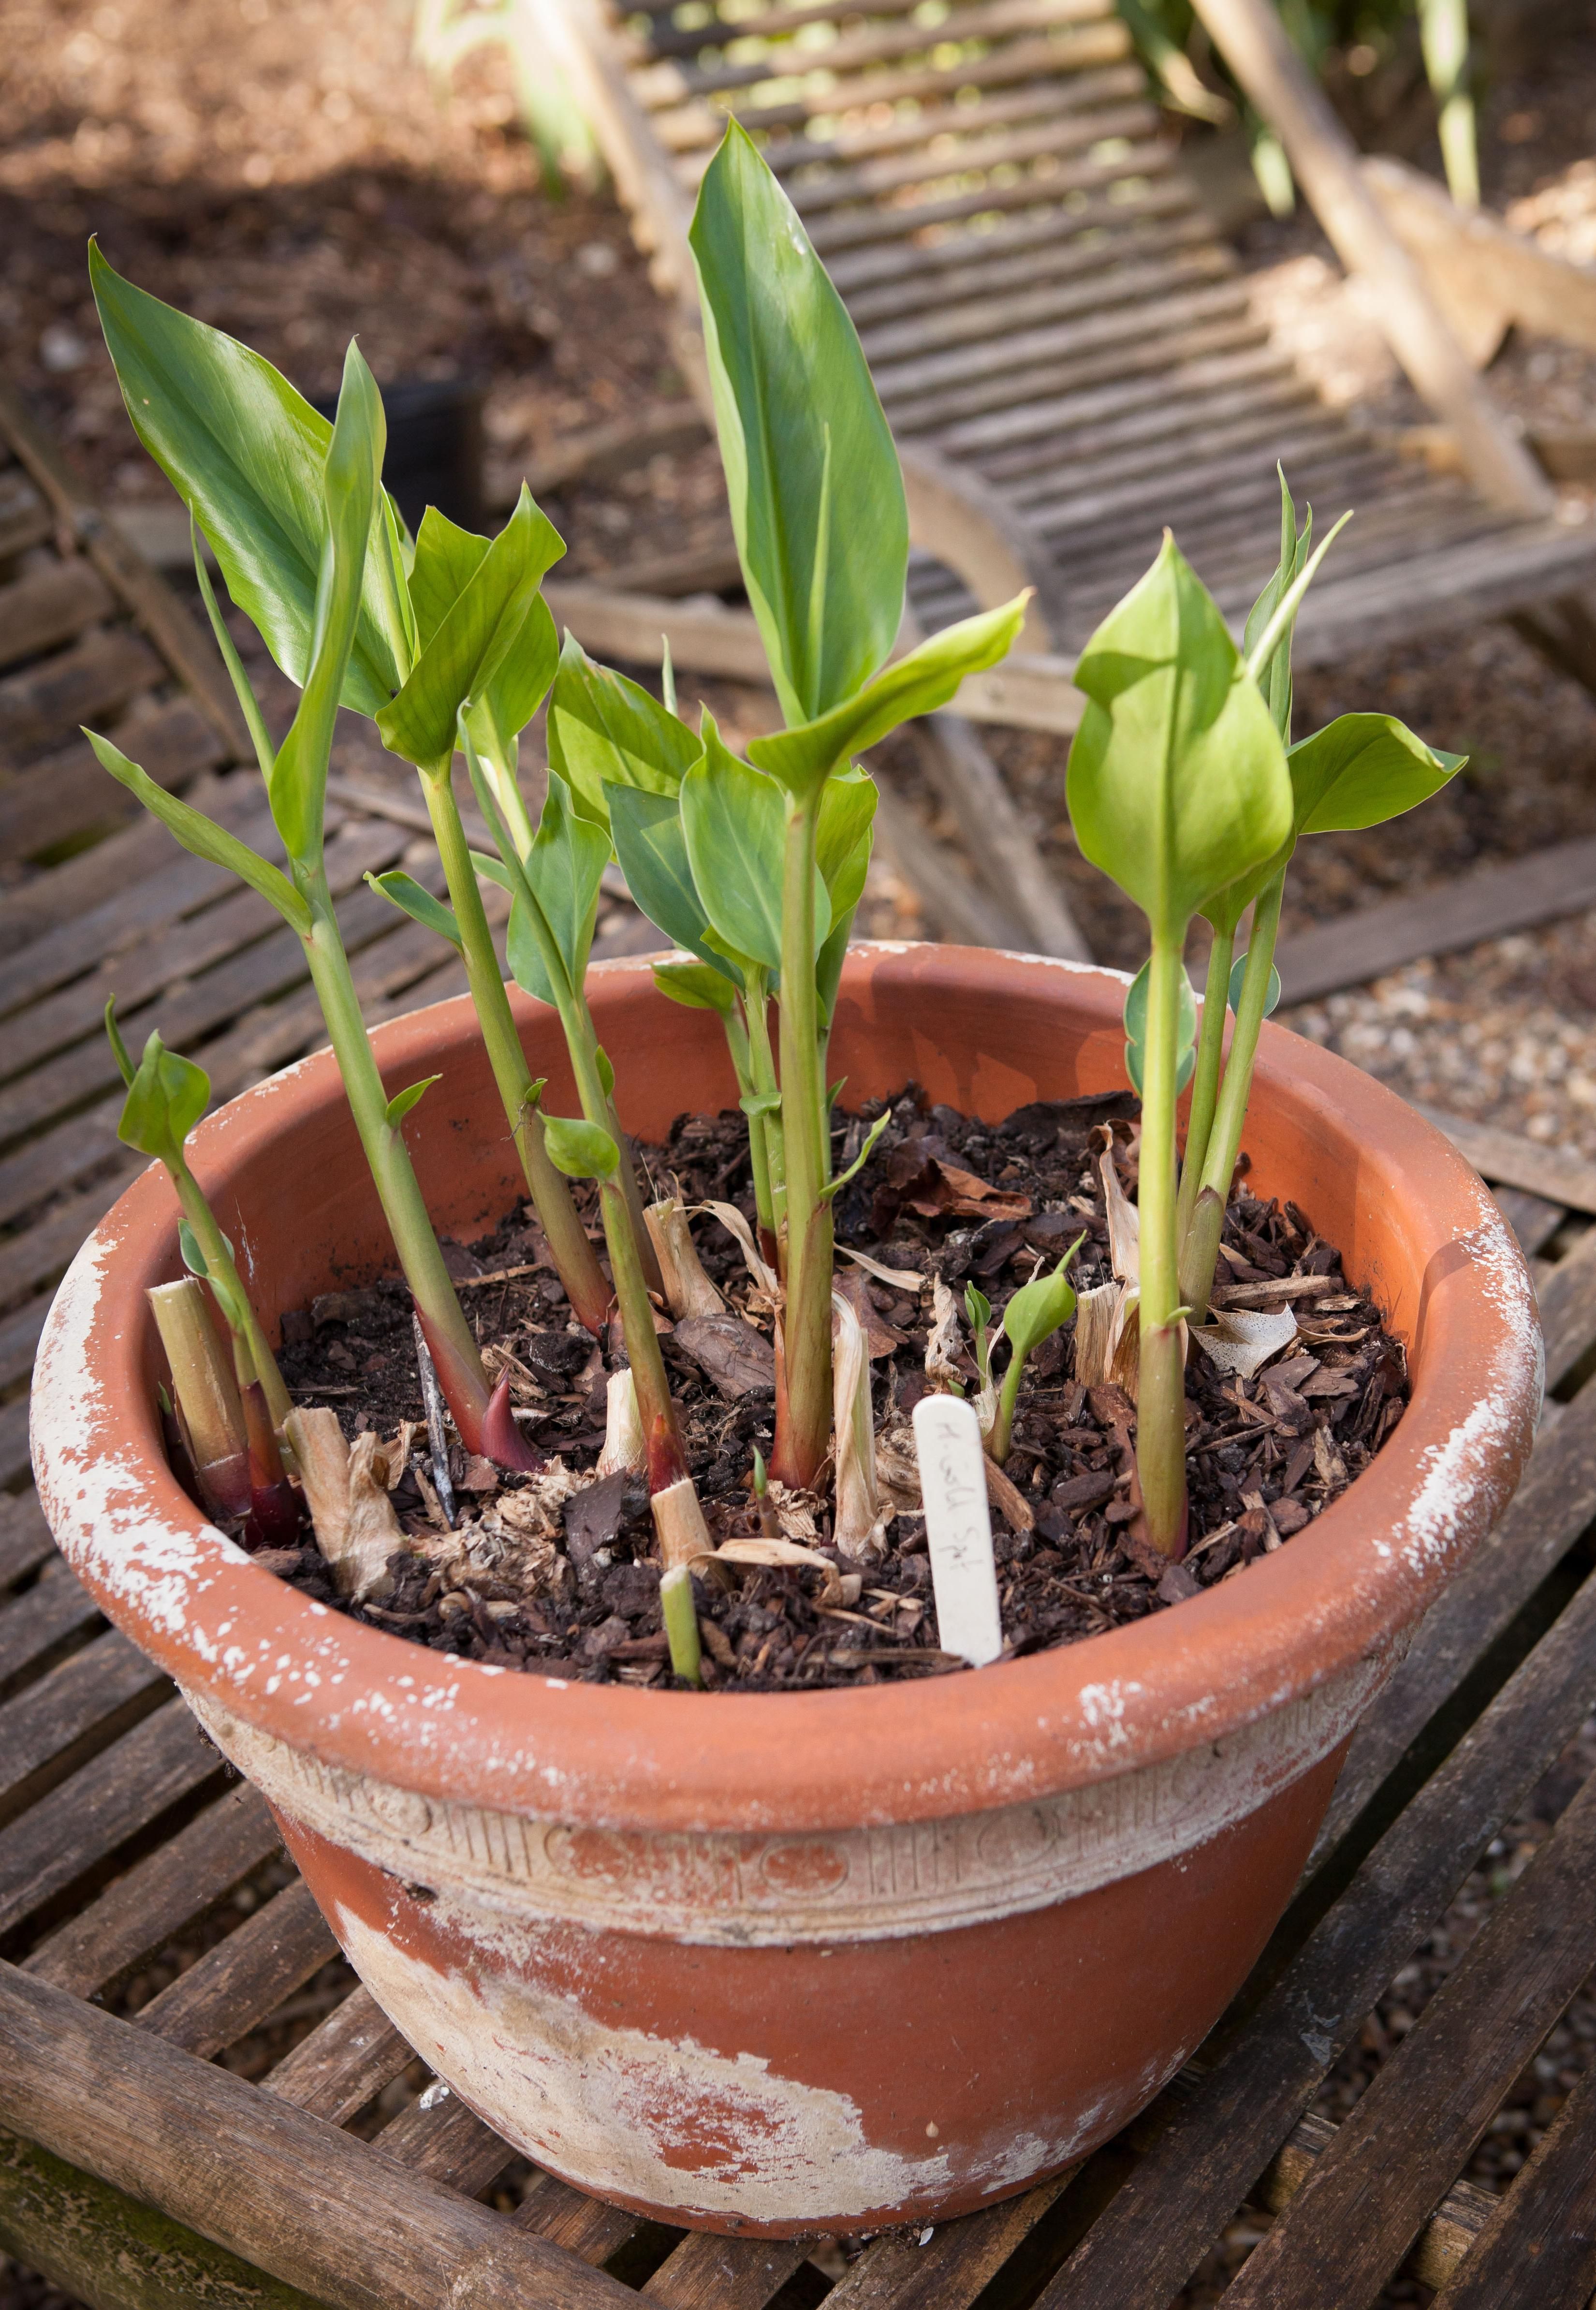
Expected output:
(534, 1576)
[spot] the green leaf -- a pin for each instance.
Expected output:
(1178, 780)
(447, 558)
(485, 646)
(1136, 1029)
(844, 837)
(1238, 970)
(564, 868)
(651, 845)
(400, 1105)
(1274, 679)
(817, 496)
(606, 1073)
(166, 1098)
(1039, 1306)
(580, 1149)
(493, 870)
(119, 1050)
(204, 836)
(829, 963)
(413, 900)
(297, 788)
(802, 759)
(977, 1308)
(835, 1186)
(734, 820)
(246, 452)
(696, 987)
(194, 1258)
(1361, 769)
(605, 731)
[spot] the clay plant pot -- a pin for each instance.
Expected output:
(801, 1962)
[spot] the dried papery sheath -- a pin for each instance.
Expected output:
(688, 1289)
(624, 1445)
(858, 1527)
(207, 1397)
(942, 1341)
(959, 1528)
(679, 1525)
(346, 1490)
(1124, 1224)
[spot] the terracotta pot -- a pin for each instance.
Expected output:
(824, 1962)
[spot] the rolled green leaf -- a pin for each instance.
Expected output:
(246, 454)
(605, 731)
(203, 837)
(1040, 1307)
(1177, 780)
(403, 891)
(734, 822)
(682, 1623)
(817, 497)
(1238, 971)
(844, 838)
(1136, 1029)
(352, 479)
(479, 647)
(399, 1106)
(565, 868)
(651, 845)
(697, 988)
(1362, 769)
(802, 759)
(581, 1150)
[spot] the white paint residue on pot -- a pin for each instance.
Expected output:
(621, 2110)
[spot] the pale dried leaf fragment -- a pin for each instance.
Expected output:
(902, 1279)
(941, 1346)
(764, 1275)
(1108, 1337)
(859, 1526)
(1124, 1222)
(897, 1470)
(322, 1458)
(688, 1291)
(1242, 1340)
(625, 1450)
(372, 1532)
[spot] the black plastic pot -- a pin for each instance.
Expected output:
(434, 447)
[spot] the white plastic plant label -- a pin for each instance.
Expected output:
(958, 1528)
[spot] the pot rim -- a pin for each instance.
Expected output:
(625, 1757)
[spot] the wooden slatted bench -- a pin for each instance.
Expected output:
(137, 2170)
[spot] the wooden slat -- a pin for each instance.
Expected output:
(1017, 430)
(148, 598)
(569, 2218)
(1024, 257)
(1569, 1311)
(953, 157)
(1549, 1511)
(19, 1338)
(957, 2263)
(990, 308)
(48, 607)
(879, 44)
(140, 1910)
(440, 2137)
(234, 1987)
(1351, 950)
(29, 1260)
(909, 273)
(80, 886)
(284, 2190)
(866, 227)
(1447, 2237)
(707, 2272)
(39, 1625)
(1133, 354)
(1506, 1159)
(68, 793)
(1146, 2242)
(96, 677)
(1539, 2251)
(51, 1726)
(140, 894)
(1072, 94)
(1418, 2121)
(1431, 592)
(105, 1802)
(1533, 1220)
(25, 1541)
(343, 2063)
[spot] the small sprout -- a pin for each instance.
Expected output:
(977, 1308)
(400, 1106)
(681, 1624)
(1036, 1312)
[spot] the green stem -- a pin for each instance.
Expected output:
(219, 1260)
(575, 1259)
(448, 1334)
(1205, 1080)
(770, 1190)
(1202, 1245)
(803, 1407)
(1161, 1409)
(681, 1624)
(1003, 1427)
